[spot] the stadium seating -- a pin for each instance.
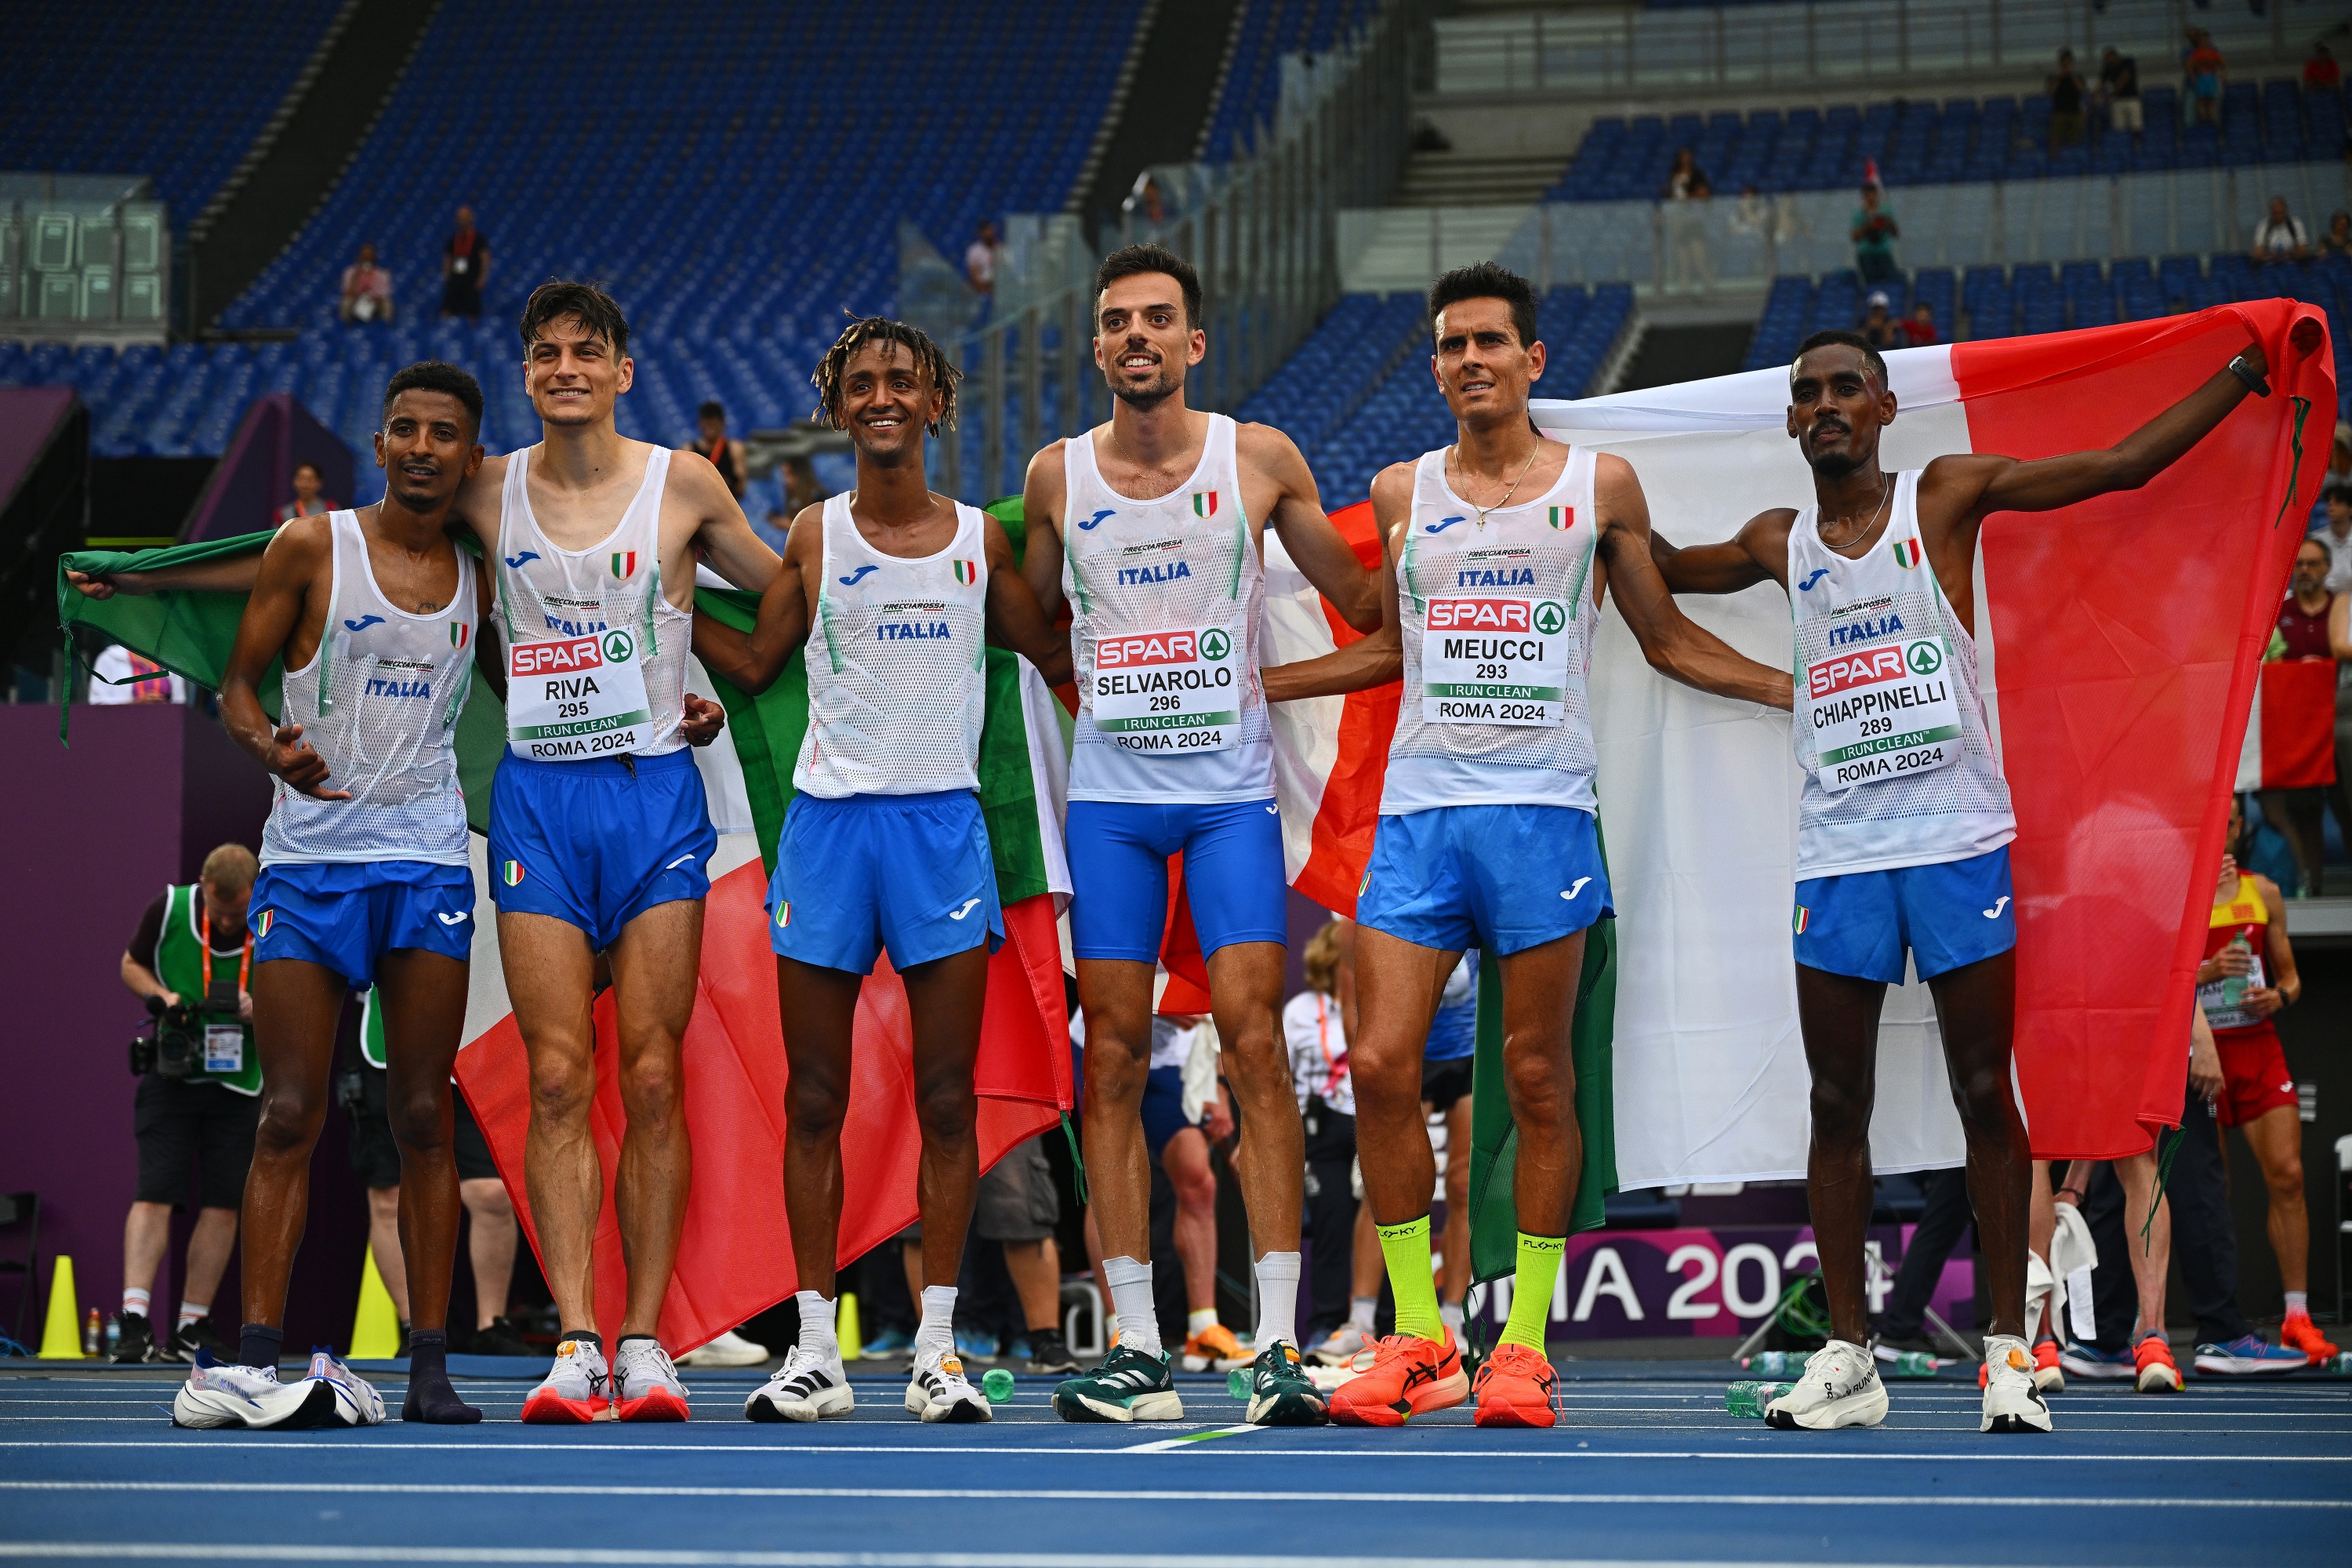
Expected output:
(128, 87)
(1253, 87)
(1923, 144)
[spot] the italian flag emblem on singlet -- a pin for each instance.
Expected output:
(458, 634)
(624, 564)
(967, 573)
(783, 914)
(511, 873)
(1906, 552)
(268, 919)
(1805, 917)
(1561, 516)
(1205, 503)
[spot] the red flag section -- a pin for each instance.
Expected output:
(1350, 810)
(2127, 630)
(2291, 741)
(735, 1255)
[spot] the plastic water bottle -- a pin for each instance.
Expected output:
(1910, 1363)
(1237, 1383)
(997, 1385)
(2233, 986)
(1748, 1398)
(2340, 1366)
(1776, 1363)
(113, 1336)
(93, 1337)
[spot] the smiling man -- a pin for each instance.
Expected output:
(884, 846)
(1496, 551)
(599, 837)
(364, 881)
(1904, 822)
(1152, 526)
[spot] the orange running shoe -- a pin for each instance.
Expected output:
(2158, 1373)
(1514, 1388)
(1213, 1349)
(1409, 1377)
(2049, 1377)
(2299, 1333)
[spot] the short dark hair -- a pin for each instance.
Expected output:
(930, 358)
(2336, 493)
(2327, 551)
(307, 463)
(595, 309)
(711, 409)
(1134, 260)
(1839, 336)
(1488, 281)
(433, 375)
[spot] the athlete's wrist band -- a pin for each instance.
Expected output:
(2245, 372)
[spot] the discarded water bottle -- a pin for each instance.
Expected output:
(93, 1336)
(113, 1336)
(1776, 1363)
(1910, 1363)
(1748, 1398)
(2340, 1364)
(997, 1385)
(1237, 1383)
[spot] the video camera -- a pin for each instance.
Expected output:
(176, 1047)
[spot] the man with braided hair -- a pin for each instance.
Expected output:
(896, 588)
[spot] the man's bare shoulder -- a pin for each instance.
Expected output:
(301, 541)
(1263, 446)
(1048, 462)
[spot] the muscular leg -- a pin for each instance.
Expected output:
(1115, 994)
(2276, 1138)
(1037, 1270)
(208, 1248)
(549, 972)
(490, 1245)
(146, 1236)
(295, 1009)
(1975, 1008)
(945, 997)
(384, 1241)
(1245, 998)
(1397, 986)
(423, 997)
(1186, 1160)
(820, 1007)
(2151, 1256)
(1538, 1006)
(655, 965)
(1838, 1015)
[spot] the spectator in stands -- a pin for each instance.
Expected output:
(198, 1101)
(2335, 534)
(2337, 240)
(1874, 234)
(2066, 94)
(2119, 90)
(307, 502)
(774, 529)
(1920, 330)
(465, 269)
(2312, 624)
(125, 678)
(1878, 323)
(2339, 459)
(713, 444)
(1687, 193)
(1314, 1027)
(2320, 72)
(2205, 70)
(2279, 237)
(367, 291)
(1686, 181)
(980, 259)
(800, 486)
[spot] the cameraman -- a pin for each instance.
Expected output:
(191, 960)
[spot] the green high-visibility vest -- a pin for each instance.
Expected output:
(184, 967)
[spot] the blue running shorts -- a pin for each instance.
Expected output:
(1118, 875)
(1948, 915)
(346, 915)
(909, 873)
(597, 843)
(1163, 1108)
(1504, 877)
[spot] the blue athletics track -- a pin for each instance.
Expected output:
(1645, 1466)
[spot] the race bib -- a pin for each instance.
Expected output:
(1884, 711)
(1169, 693)
(458, 265)
(224, 1048)
(570, 697)
(1494, 661)
(2223, 999)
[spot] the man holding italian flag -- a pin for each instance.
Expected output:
(1904, 819)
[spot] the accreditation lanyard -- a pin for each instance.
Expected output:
(1334, 1067)
(244, 959)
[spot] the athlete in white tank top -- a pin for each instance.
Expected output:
(1904, 818)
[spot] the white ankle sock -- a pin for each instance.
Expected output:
(2298, 1303)
(817, 1326)
(1130, 1299)
(191, 1311)
(1361, 1312)
(1450, 1315)
(1200, 1319)
(137, 1301)
(1277, 1299)
(937, 1331)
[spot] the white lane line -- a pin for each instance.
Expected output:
(590, 1448)
(1168, 1445)
(1076, 1494)
(216, 1552)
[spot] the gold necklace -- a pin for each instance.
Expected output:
(1885, 489)
(1482, 512)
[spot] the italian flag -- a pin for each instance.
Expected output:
(735, 1256)
(2291, 729)
(2117, 643)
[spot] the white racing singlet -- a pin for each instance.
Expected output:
(596, 654)
(1890, 727)
(897, 667)
(1165, 598)
(1498, 626)
(379, 701)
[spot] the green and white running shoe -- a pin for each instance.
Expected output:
(1128, 1386)
(1281, 1394)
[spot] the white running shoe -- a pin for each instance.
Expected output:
(220, 1395)
(644, 1383)
(730, 1348)
(1341, 1348)
(2011, 1403)
(1840, 1388)
(938, 1390)
(356, 1402)
(577, 1388)
(802, 1389)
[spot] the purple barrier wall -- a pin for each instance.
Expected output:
(255, 476)
(29, 417)
(142, 795)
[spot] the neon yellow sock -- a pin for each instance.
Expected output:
(1406, 1248)
(1531, 1287)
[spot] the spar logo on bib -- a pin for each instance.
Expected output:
(1832, 675)
(1163, 647)
(565, 655)
(1925, 659)
(618, 647)
(1547, 616)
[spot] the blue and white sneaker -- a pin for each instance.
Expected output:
(357, 1403)
(330, 1395)
(974, 1345)
(890, 1342)
(2252, 1356)
(2100, 1366)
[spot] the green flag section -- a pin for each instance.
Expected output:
(189, 633)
